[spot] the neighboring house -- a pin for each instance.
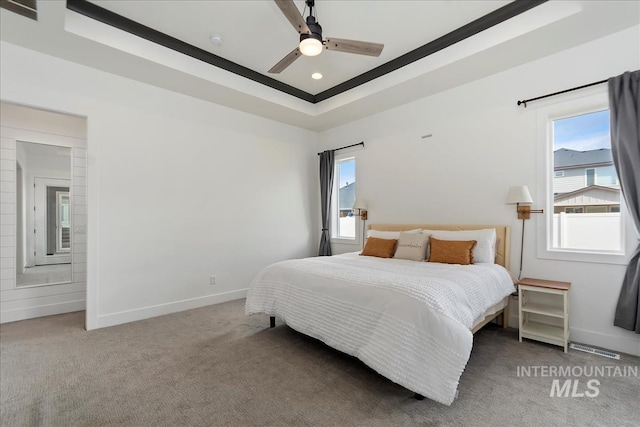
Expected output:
(585, 181)
(346, 199)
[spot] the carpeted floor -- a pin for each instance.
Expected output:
(215, 367)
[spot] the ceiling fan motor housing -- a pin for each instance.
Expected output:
(314, 28)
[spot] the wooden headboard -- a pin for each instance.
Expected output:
(502, 235)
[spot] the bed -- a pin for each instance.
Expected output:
(411, 321)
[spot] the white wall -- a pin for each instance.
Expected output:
(482, 144)
(178, 189)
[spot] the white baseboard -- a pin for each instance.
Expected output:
(609, 342)
(41, 311)
(162, 309)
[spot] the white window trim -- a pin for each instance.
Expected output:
(544, 166)
(334, 206)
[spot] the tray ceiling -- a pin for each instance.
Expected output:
(430, 46)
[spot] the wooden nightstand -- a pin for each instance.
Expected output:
(543, 311)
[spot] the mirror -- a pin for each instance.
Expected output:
(43, 222)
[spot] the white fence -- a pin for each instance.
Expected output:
(587, 231)
(348, 226)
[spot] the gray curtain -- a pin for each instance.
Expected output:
(326, 187)
(624, 97)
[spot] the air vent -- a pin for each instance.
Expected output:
(592, 350)
(26, 8)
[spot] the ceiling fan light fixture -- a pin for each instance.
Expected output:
(311, 41)
(310, 46)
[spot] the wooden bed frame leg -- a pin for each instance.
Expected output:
(272, 322)
(418, 396)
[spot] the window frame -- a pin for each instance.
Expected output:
(585, 104)
(335, 214)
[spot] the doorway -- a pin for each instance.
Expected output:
(44, 192)
(44, 212)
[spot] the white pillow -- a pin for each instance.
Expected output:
(412, 246)
(390, 234)
(428, 234)
(485, 249)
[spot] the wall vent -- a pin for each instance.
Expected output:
(592, 350)
(26, 8)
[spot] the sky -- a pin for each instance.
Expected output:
(582, 133)
(347, 172)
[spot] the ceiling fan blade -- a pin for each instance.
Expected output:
(286, 61)
(291, 12)
(354, 46)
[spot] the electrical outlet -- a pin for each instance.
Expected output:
(212, 280)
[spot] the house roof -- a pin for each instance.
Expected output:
(565, 158)
(591, 191)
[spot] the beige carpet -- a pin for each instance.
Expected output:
(215, 367)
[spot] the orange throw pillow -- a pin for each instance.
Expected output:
(452, 251)
(382, 248)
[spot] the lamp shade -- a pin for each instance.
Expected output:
(519, 194)
(360, 203)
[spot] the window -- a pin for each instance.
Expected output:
(574, 210)
(580, 141)
(63, 222)
(590, 174)
(583, 219)
(343, 220)
(607, 176)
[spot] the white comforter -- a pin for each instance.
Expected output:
(408, 320)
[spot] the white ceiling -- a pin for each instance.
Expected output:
(257, 35)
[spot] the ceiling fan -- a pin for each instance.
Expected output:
(311, 41)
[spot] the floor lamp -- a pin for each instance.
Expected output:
(521, 197)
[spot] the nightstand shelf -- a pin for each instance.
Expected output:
(544, 311)
(542, 332)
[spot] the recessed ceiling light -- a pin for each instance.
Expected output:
(216, 39)
(316, 76)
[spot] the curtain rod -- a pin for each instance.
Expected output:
(348, 146)
(562, 91)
